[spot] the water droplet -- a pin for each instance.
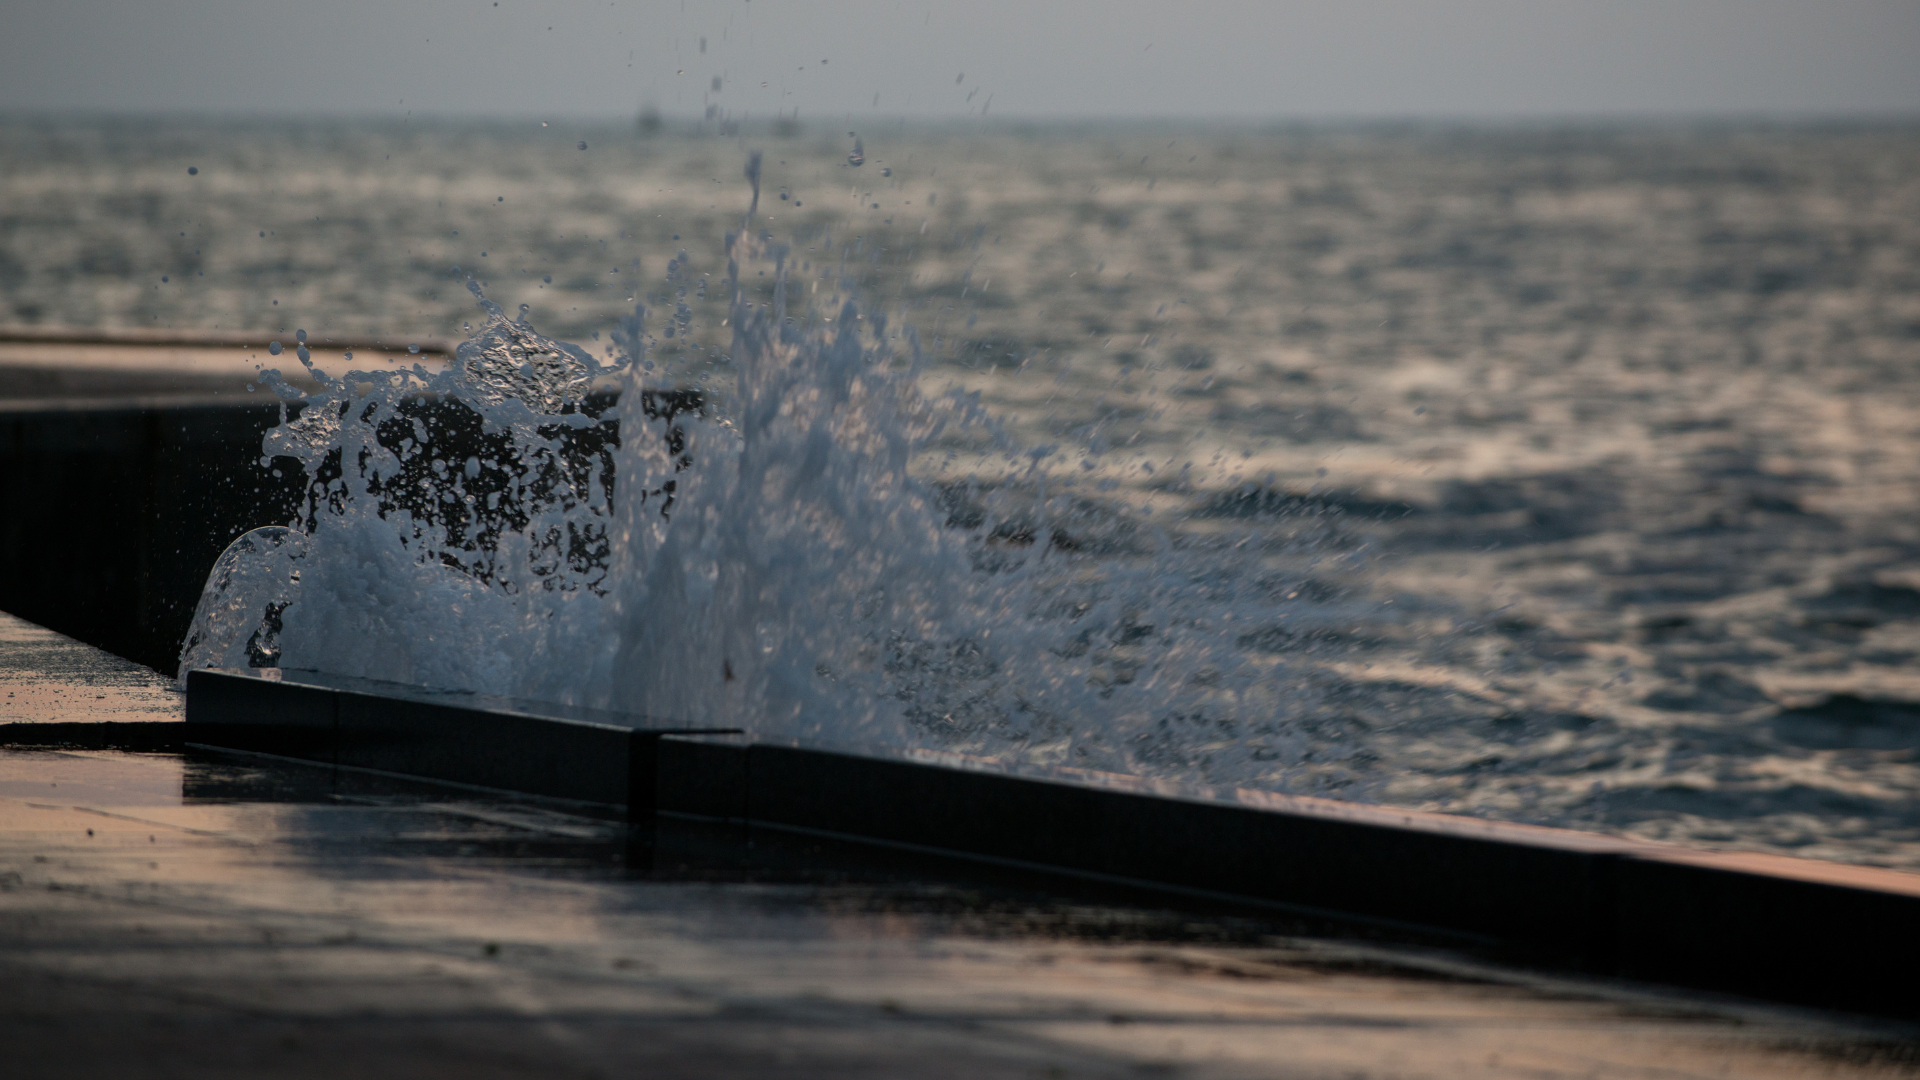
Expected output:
(583, 144)
(413, 348)
(348, 355)
(858, 156)
(164, 277)
(300, 336)
(274, 348)
(548, 279)
(303, 354)
(193, 170)
(886, 172)
(960, 78)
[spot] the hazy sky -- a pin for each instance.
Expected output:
(1325, 58)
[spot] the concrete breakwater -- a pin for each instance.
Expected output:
(1788, 929)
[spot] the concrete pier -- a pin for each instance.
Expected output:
(54, 363)
(49, 678)
(169, 915)
(208, 914)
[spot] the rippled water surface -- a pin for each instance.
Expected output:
(1562, 475)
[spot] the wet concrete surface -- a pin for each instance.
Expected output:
(218, 915)
(48, 678)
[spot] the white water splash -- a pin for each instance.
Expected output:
(237, 623)
(772, 563)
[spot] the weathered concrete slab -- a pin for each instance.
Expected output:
(49, 678)
(47, 364)
(170, 916)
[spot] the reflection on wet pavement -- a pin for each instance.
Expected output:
(218, 916)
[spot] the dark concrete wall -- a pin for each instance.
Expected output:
(111, 516)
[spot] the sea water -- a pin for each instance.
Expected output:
(1560, 475)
